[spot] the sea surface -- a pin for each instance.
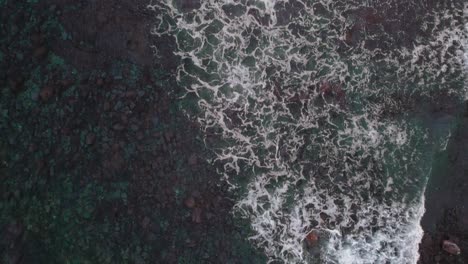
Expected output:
(323, 115)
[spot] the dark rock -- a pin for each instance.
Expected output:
(13, 231)
(196, 194)
(32, 148)
(426, 249)
(84, 79)
(261, 19)
(117, 161)
(146, 221)
(37, 38)
(99, 81)
(124, 119)
(168, 135)
(65, 131)
(11, 238)
(189, 202)
(16, 84)
(190, 243)
(324, 216)
(188, 5)
(140, 135)
(46, 93)
(427, 240)
(450, 247)
(40, 165)
(130, 94)
(193, 160)
(66, 83)
(118, 127)
(108, 80)
(466, 108)
(348, 36)
(197, 215)
(90, 138)
(40, 52)
(106, 106)
(209, 215)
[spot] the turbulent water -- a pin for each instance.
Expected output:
(317, 111)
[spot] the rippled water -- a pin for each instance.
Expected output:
(318, 108)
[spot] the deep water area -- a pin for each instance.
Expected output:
(233, 131)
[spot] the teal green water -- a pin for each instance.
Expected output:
(322, 112)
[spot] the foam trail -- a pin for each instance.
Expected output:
(313, 102)
(465, 54)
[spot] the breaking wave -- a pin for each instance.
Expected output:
(314, 105)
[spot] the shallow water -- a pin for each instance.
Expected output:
(321, 112)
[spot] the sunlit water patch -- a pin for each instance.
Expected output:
(315, 103)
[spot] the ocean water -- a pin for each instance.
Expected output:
(465, 48)
(319, 114)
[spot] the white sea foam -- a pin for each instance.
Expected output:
(465, 53)
(305, 116)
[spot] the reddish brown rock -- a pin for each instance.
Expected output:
(348, 37)
(326, 87)
(312, 238)
(46, 93)
(450, 247)
(99, 81)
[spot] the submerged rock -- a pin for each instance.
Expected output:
(312, 239)
(450, 247)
